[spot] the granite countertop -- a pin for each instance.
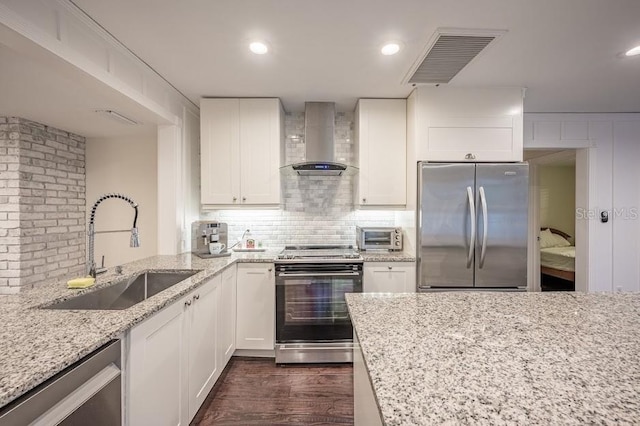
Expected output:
(501, 358)
(36, 344)
(382, 256)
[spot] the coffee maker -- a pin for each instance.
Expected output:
(204, 232)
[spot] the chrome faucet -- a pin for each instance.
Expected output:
(135, 239)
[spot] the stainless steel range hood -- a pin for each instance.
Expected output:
(319, 127)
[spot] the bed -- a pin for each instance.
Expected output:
(557, 254)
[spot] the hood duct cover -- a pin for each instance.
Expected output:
(449, 53)
(319, 128)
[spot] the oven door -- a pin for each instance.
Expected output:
(310, 303)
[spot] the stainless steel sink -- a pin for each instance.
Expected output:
(125, 293)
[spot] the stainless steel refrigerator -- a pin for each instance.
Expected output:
(472, 226)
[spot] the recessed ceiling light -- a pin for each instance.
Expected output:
(633, 52)
(258, 47)
(390, 49)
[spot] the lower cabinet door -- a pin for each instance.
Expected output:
(389, 277)
(227, 315)
(156, 370)
(256, 307)
(205, 364)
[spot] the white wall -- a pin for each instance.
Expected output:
(624, 209)
(191, 171)
(609, 145)
(126, 165)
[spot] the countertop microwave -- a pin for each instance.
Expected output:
(379, 238)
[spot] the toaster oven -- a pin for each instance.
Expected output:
(379, 238)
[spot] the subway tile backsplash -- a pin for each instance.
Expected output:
(315, 209)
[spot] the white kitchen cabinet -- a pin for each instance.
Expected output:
(205, 363)
(174, 359)
(381, 151)
(227, 314)
(241, 150)
(465, 124)
(256, 306)
(389, 277)
(156, 374)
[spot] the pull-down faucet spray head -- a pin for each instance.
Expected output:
(135, 239)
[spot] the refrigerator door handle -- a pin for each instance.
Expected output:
(485, 226)
(472, 238)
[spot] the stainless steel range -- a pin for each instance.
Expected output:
(312, 321)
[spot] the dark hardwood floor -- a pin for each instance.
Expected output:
(549, 283)
(255, 391)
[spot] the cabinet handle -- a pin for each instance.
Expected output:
(244, 199)
(364, 200)
(469, 156)
(269, 269)
(187, 303)
(390, 267)
(235, 199)
(196, 297)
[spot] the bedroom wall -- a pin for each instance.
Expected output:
(557, 197)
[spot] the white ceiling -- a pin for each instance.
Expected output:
(566, 52)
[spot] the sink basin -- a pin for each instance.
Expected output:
(125, 293)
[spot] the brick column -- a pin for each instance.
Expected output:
(42, 203)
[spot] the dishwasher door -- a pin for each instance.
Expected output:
(86, 393)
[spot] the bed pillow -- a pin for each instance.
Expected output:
(549, 239)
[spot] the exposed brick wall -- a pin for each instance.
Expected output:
(317, 209)
(42, 214)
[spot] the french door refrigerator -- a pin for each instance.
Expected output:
(472, 226)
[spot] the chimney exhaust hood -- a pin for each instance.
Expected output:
(319, 127)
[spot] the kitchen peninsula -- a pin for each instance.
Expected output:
(38, 343)
(497, 358)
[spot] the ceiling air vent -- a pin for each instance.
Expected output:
(448, 52)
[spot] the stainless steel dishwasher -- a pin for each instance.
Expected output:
(86, 393)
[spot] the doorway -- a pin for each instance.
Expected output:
(555, 190)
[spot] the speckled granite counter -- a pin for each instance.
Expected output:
(501, 358)
(35, 344)
(381, 256)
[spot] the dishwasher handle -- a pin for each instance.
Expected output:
(59, 397)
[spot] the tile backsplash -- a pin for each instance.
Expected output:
(280, 227)
(315, 209)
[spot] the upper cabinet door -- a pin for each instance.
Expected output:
(381, 140)
(220, 151)
(457, 124)
(260, 141)
(241, 142)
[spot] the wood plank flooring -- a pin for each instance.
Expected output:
(255, 391)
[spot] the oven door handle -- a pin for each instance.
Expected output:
(319, 274)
